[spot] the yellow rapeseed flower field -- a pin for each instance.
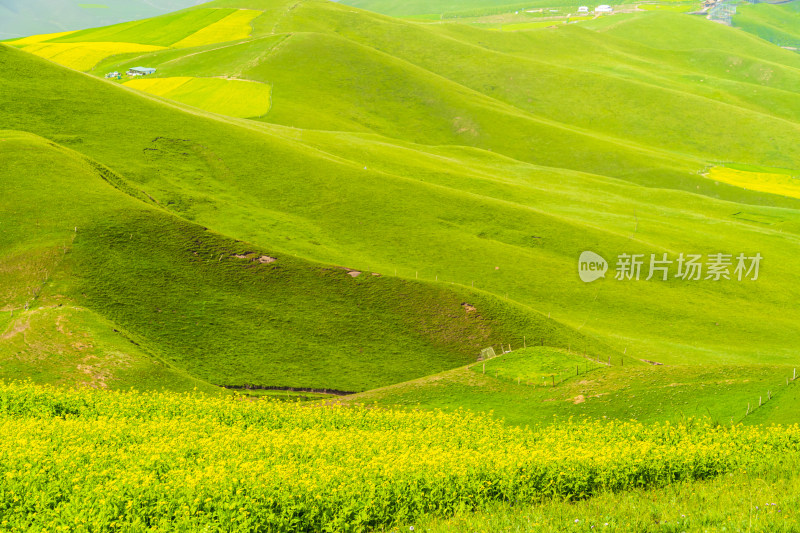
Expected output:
(84, 56)
(770, 182)
(237, 25)
(234, 98)
(87, 460)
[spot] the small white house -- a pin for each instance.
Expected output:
(603, 9)
(114, 74)
(583, 9)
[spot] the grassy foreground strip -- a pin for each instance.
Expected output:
(87, 460)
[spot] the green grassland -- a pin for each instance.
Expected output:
(760, 501)
(457, 8)
(776, 23)
(442, 153)
(311, 196)
(218, 309)
(542, 385)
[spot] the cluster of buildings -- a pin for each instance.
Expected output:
(599, 9)
(135, 71)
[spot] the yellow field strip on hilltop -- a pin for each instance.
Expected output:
(234, 26)
(234, 98)
(34, 39)
(84, 56)
(159, 86)
(773, 183)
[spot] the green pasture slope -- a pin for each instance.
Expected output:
(776, 23)
(132, 289)
(86, 251)
(457, 8)
(542, 385)
(441, 157)
(416, 192)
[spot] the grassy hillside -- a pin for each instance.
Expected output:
(779, 24)
(86, 259)
(455, 8)
(478, 169)
(542, 385)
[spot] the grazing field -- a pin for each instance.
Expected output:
(300, 233)
(234, 98)
(538, 384)
(114, 461)
(458, 8)
(779, 23)
(465, 169)
(764, 499)
(178, 299)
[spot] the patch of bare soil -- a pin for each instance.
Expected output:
(18, 327)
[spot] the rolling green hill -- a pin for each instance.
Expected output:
(538, 385)
(776, 23)
(452, 8)
(135, 292)
(441, 157)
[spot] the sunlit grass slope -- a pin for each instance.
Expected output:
(779, 24)
(543, 385)
(451, 154)
(451, 8)
(126, 285)
(513, 220)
